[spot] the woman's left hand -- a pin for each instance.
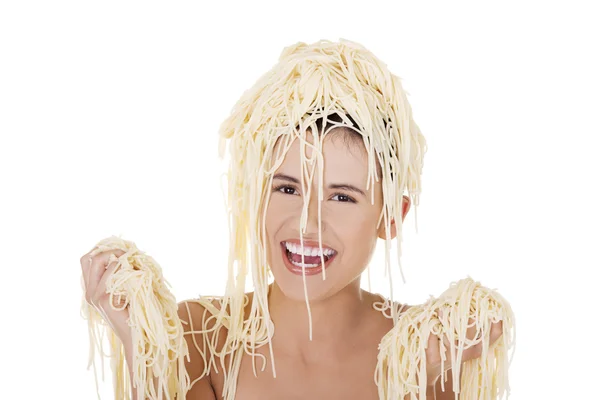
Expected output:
(433, 350)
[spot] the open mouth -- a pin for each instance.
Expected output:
(312, 258)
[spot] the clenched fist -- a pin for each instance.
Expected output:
(96, 270)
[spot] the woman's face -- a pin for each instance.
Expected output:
(348, 219)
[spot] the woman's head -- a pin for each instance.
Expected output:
(348, 222)
(273, 129)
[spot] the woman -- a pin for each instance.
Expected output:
(322, 149)
(332, 183)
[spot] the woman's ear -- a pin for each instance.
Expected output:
(405, 206)
(381, 230)
(393, 232)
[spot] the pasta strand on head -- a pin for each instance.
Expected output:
(310, 83)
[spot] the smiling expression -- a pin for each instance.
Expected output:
(349, 228)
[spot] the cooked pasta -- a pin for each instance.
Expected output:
(157, 334)
(401, 360)
(309, 83)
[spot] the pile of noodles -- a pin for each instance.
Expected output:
(401, 362)
(158, 344)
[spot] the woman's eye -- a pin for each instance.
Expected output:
(343, 198)
(286, 189)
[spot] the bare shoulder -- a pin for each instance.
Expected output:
(206, 337)
(384, 306)
(194, 315)
(380, 314)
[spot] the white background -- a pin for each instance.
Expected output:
(109, 114)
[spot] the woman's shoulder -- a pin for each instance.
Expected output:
(204, 320)
(378, 321)
(385, 306)
(208, 316)
(200, 316)
(198, 329)
(205, 316)
(196, 306)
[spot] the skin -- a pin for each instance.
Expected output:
(349, 226)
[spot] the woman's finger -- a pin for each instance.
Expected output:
(97, 269)
(447, 359)
(495, 332)
(85, 262)
(472, 335)
(433, 350)
(110, 268)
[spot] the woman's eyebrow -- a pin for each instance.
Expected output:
(343, 186)
(348, 187)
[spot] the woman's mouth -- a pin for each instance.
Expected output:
(292, 257)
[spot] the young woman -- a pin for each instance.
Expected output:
(322, 148)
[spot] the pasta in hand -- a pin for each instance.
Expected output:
(461, 318)
(156, 332)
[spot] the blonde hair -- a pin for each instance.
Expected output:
(308, 84)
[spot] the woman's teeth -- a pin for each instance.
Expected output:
(313, 256)
(305, 265)
(308, 251)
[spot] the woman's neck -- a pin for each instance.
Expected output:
(337, 323)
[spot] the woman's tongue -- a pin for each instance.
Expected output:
(307, 259)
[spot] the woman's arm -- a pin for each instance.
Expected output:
(434, 392)
(129, 359)
(447, 394)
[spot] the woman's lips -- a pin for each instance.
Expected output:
(294, 269)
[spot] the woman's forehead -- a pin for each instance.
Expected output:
(334, 139)
(342, 157)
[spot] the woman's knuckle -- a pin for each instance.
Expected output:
(96, 296)
(475, 351)
(85, 260)
(434, 359)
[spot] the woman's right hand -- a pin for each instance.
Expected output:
(96, 271)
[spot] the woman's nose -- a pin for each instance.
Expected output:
(312, 218)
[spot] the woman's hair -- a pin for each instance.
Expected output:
(311, 90)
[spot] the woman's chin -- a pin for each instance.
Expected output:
(292, 287)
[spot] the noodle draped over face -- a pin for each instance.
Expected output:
(307, 85)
